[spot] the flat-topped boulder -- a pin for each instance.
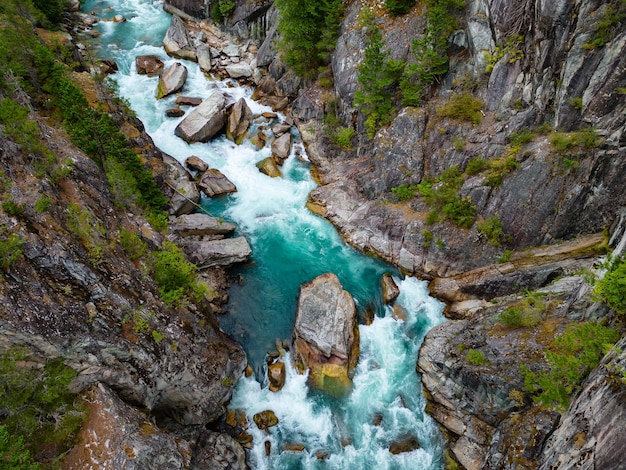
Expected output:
(239, 70)
(149, 65)
(225, 252)
(171, 80)
(196, 164)
(325, 335)
(205, 121)
(188, 101)
(213, 183)
(200, 225)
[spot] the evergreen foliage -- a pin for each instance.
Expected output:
(399, 7)
(308, 30)
(612, 287)
(576, 352)
(39, 411)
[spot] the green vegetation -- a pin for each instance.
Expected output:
(576, 352)
(428, 238)
(493, 229)
(308, 31)
(476, 165)
(133, 245)
(378, 77)
(583, 139)
(511, 47)
(40, 417)
(612, 287)
(576, 103)
(405, 192)
(475, 357)
(140, 319)
(500, 168)
(42, 204)
(222, 9)
(399, 7)
(175, 276)
(521, 137)
(82, 223)
(36, 71)
(462, 107)
(506, 256)
(10, 249)
(526, 313)
(431, 50)
(342, 137)
(609, 23)
(11, 208)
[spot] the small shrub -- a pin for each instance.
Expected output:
(521, 138)
(518, 317)
(585, 138)
(405, 192)
(132, 244)
(576, 103)
(399, 7)
(476, 165)
(511, 46)
(428, 238)
(506, 257)
(612, 287)
(157, 336)
(500, 168)
(475, 357)
(493, 229)
(42, 204)
(462, 107)
(173, 274)
(342, 138)
(576, 352)
(458, 143)
(432, 217)
(13, 209)
(10, 250)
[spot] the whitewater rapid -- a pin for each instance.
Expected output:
(290, 246)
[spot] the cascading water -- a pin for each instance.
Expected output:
(290, 246)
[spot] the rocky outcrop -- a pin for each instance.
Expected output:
(325, 334)
(583, 439)
(117, 435)
(177, 42)
(205, 121)
(215, 451)
(171, 80)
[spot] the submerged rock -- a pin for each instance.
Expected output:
(205, 121)
(325, 333)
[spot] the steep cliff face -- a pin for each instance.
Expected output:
(546, 72)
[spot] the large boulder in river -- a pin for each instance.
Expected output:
(203, 52)
(213, 183)
(390, 288)
(239, 120)
(171, 80)
(205, 121)
(149, 65)
(325, 333)
(239, 70)
(176, 42)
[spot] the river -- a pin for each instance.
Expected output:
(290, 246)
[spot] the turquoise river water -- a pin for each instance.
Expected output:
(290, 246)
